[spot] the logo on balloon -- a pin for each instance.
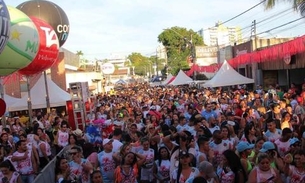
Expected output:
(48, 49)
(50, 36)
(4, 24)
(64, 31)
(51, 13)
(21, 48)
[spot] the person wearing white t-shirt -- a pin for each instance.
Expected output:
(283, 144)
(218, 146)
(106, 161)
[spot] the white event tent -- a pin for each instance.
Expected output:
(181, 79)
(9, 100)
(227, 76)
(57, 96)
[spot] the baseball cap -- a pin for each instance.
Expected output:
(242, 146)
(207, 168)
(106, 141)
(267, 146)
(293, 140)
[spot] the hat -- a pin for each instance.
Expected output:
(293, 141)
(77, 132)
(267, 146)
(106, 141)
(183, 153)
(242, 146)
(207, 168)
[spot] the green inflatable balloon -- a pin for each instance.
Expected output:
(23, 43)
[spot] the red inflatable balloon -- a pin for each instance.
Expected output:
(2, 107)
(48, 49)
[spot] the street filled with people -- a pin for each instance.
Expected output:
(166, 134)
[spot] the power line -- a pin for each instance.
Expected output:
(240, 13)
(280, 26)
(276, 14)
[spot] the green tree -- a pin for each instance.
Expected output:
(141, 63)
(296, 4)
(180, 44)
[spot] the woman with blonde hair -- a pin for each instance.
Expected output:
(263, 172)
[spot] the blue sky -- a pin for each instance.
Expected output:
(107, 28)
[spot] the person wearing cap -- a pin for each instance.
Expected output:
(244, 150)
(106, 161)
(275, 161)
(294, 145)
(184, 172)
(263, 171)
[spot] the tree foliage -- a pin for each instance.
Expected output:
(179, 43)
(296, 4)
(144, 65)
(140, 62)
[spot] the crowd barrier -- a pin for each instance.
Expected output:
(47, 174)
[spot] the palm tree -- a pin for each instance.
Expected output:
(79, 53)
(298, 5)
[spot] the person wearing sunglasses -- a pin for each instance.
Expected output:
(80, 167)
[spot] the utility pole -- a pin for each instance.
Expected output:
(254, 65)
(253, 34)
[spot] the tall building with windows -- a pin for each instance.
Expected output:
(220, 35)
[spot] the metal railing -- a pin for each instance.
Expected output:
(47, 174)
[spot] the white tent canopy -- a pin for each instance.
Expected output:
(57, 96)
(121, 81)
(227, 76)
(181, 79)
(9, 100)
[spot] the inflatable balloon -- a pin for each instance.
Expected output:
(5, 25)
(23, 43)
(50, 13)
(48, 49)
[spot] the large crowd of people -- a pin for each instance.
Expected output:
(178, 134)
